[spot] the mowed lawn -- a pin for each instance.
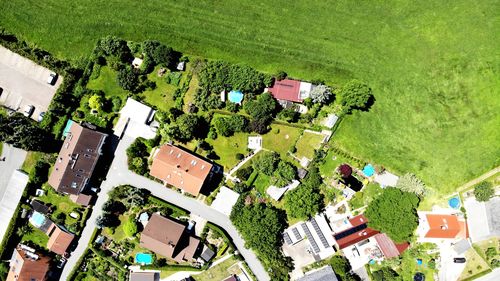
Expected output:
(433, 66)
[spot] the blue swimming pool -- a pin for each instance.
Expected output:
(454, 203)
(143, 258)
(369, 170)
(37, 219)
(236, 96)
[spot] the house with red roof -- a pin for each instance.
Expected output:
(443, 226)
(288, 91)
(361, 244)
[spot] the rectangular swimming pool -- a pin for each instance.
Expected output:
(143, 258)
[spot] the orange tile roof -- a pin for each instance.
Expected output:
(59, 241)
(180, 168)
(445, 226)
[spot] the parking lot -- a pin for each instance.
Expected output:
(24, 83)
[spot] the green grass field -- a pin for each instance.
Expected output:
(433, 66)
(307, 143)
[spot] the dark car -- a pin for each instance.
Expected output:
(419, 276)
(459, 260)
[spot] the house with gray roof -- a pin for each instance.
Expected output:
(323, 274)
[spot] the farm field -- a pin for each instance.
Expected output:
(433, 67)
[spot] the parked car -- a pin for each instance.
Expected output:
(191, 224)
(40, 116)
(28, 110)
(459, 260)
(51, 80)
(419, 276)
(61, 263)
(94, 189)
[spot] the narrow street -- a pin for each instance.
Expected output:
(120, 175)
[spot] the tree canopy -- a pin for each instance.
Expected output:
(186, 127)
(305, 201)
(410, 183)
(264, 106)
(227, 126)
(484, 191)
(321, 94)
(22, 132)
(128, 80)
(216, 76)
(354, 95)
(284, 173)
(266, 162)
(261, 226)
(394, 212)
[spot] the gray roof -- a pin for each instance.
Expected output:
(207, 254)
(492, 211)
(324, 274)
(462, 246)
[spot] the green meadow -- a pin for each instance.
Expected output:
(433, 65)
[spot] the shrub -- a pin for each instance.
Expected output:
(484, 191)
(239, 156)
(244, 173)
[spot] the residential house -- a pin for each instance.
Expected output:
(179, 168)
(169, 238)
(144, 276)
(323, 274)
(26, 265)
(444, 226)
(77, 159)
(484, 221)
(59, 240)
(289, 92)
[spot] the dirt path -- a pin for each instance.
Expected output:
(479, 179)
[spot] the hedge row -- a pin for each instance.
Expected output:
(177, 211)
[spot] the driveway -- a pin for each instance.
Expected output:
(120, 175)
(24, 83)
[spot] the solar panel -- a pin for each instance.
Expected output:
(296, 233)
(310, 238)
(320, 233)
(349, 231)
(287, 239)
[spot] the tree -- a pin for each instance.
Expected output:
(410, 183)
(189, 126)
(303, 202)
(281, 75)
(158, 53)
(113, 46)
(130, 227)
(128, 80)
(264, 106)
(240, 187)
(117, 103)
(340, 266)
(24, 133)
(244, 173)
(24, 229)
(96, 101)
(345, 171)
(386, 274)
(284, 173)
(394, 212)
(484, 191)
(289, 115)
(39, 173)
(266, 162)
(321, 94)
(354, 95)
(261, 226)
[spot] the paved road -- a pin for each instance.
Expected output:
(14, 158)
(493, 276)
(120, 175)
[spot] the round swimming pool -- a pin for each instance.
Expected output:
(454, 203)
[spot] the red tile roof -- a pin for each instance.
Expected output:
(286, 89)
(388, 247)
(357, 233)
(59, 240)
(180, 168)
(445, 226)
